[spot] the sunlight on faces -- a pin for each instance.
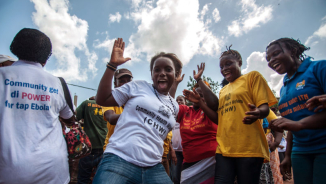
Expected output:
(163, 74)
(123, 80)
(68, 33)
(230, 67)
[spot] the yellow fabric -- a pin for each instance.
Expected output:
(269, 118)
(166, 145)
(117, 110)
(236, 139)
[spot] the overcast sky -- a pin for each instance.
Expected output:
(82, 33)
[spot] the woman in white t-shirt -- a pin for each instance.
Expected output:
(135, 150)
(32, 148)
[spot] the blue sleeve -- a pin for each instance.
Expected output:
(265, 123)
(320, 73)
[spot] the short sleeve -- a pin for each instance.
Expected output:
(123, 93)
(261, 92)
(271, 116)
(320, 73)
(66, 113)
(182, 110)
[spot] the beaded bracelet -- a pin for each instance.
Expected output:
(110, 66)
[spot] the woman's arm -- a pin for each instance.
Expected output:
(111, 116)
(194, 97)
(104, 92)
(277, 141)
(286, 163)
(174, 87)
(256, 113)
(210, 98)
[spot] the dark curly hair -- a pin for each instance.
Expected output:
(31, 45)
(177, 63)
(229, 51)
(292, 45)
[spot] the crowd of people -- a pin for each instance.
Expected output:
(141, 133)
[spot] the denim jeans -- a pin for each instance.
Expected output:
(176, 169)
(86, 165)
(247, 169)
(116, 170)
(309, 167)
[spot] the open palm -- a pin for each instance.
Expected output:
(192, 96)
(117, 53)
(201, 69)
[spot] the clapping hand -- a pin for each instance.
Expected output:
(117, 53)
(201, 69)
(192, 96)
(316, 101)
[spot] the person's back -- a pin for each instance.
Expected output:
(32, 146)
(94, 124)
(31, 138)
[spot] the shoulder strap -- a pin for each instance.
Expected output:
(67, 94)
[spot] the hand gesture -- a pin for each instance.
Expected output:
(117, 53)
(192, 96)
(179, 78)
(254, 114)
(316, 101)
(272, 146)
(173, 156)
(285, 167)
(281, 124)
(200, 71)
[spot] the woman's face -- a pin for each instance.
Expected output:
(230, 67)
(163, 74)
(180, 100)
(279, 59)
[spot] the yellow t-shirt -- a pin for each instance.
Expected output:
(166, 145)
(117, 110)
(236, 139)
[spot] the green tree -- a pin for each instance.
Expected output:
(214, 85)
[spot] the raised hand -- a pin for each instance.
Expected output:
(192, 96)
(179, 78)
(317, 101)
(201, 69)
(117, 53)
(254, 114)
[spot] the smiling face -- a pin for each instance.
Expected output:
(279, 59)
(181, 100)
(163, 74)
(230, 67)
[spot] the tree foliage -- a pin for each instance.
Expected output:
(214, 85)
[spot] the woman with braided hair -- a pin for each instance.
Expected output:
(242, 145)
(303, 85)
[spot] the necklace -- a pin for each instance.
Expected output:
(173, 111)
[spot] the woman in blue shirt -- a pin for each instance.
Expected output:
(304, 79)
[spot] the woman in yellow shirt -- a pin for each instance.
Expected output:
(242, 144)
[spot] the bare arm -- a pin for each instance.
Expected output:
(256, 113)
(174, 87)
(104, 93)
(111, 116)
(286, 163)
(277, 141)
(210, 98)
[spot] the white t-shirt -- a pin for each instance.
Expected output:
(176, 138)
(143, 125)
(282, 143)
(32, 146)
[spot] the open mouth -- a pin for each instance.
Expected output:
(276, 66)
(227, 74)
(162, 84)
